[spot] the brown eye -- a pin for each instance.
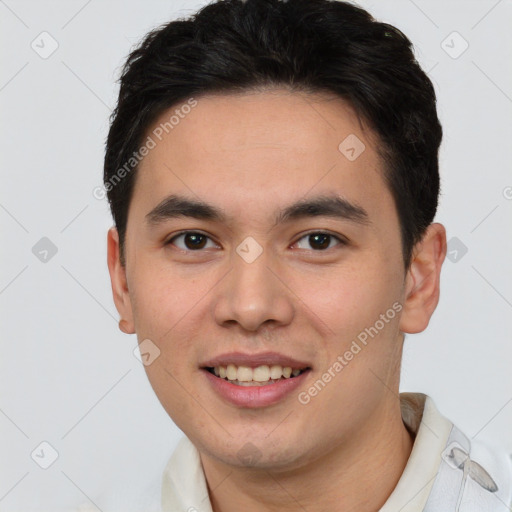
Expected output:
(319, 241)
(195, 240)
(191, 241)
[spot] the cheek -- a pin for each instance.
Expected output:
(349, 298)
(165, 306)
(161, 300)
(172, 305)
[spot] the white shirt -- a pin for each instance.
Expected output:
(445, 471)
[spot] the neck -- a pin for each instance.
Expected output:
(356, 475)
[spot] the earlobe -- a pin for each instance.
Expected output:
(125, 327)
(119, 283)
(422, 286)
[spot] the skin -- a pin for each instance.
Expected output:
(252, 154)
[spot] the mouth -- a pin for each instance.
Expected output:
(255, 380)
(262, 375)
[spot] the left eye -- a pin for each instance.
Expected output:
(191, 241)
(319, 241)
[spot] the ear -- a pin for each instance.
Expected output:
(119, 283)
(422, 280)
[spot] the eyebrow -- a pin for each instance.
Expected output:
(175, 206)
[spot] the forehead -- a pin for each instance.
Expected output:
(280, 119)
(261, 148)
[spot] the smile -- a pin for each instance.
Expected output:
(262, 375)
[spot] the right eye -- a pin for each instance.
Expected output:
(191, 241)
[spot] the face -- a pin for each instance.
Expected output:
(256, 243)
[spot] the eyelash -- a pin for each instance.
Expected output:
(341, 241)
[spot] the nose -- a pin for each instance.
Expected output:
(252, 295)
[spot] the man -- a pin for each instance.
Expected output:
(272, 169)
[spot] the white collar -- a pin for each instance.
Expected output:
(184, 487)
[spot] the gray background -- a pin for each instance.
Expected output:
(69, 376)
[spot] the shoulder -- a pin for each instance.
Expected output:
(472, 476)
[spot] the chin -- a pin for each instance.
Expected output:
(258, 451)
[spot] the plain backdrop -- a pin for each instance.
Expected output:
(69, 377)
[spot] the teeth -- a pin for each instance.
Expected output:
(231, 372)
(276, 372)
(263, 373)
(244, 374)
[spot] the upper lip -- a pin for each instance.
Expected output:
(254, 360)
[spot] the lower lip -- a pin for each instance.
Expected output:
(255, 396)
